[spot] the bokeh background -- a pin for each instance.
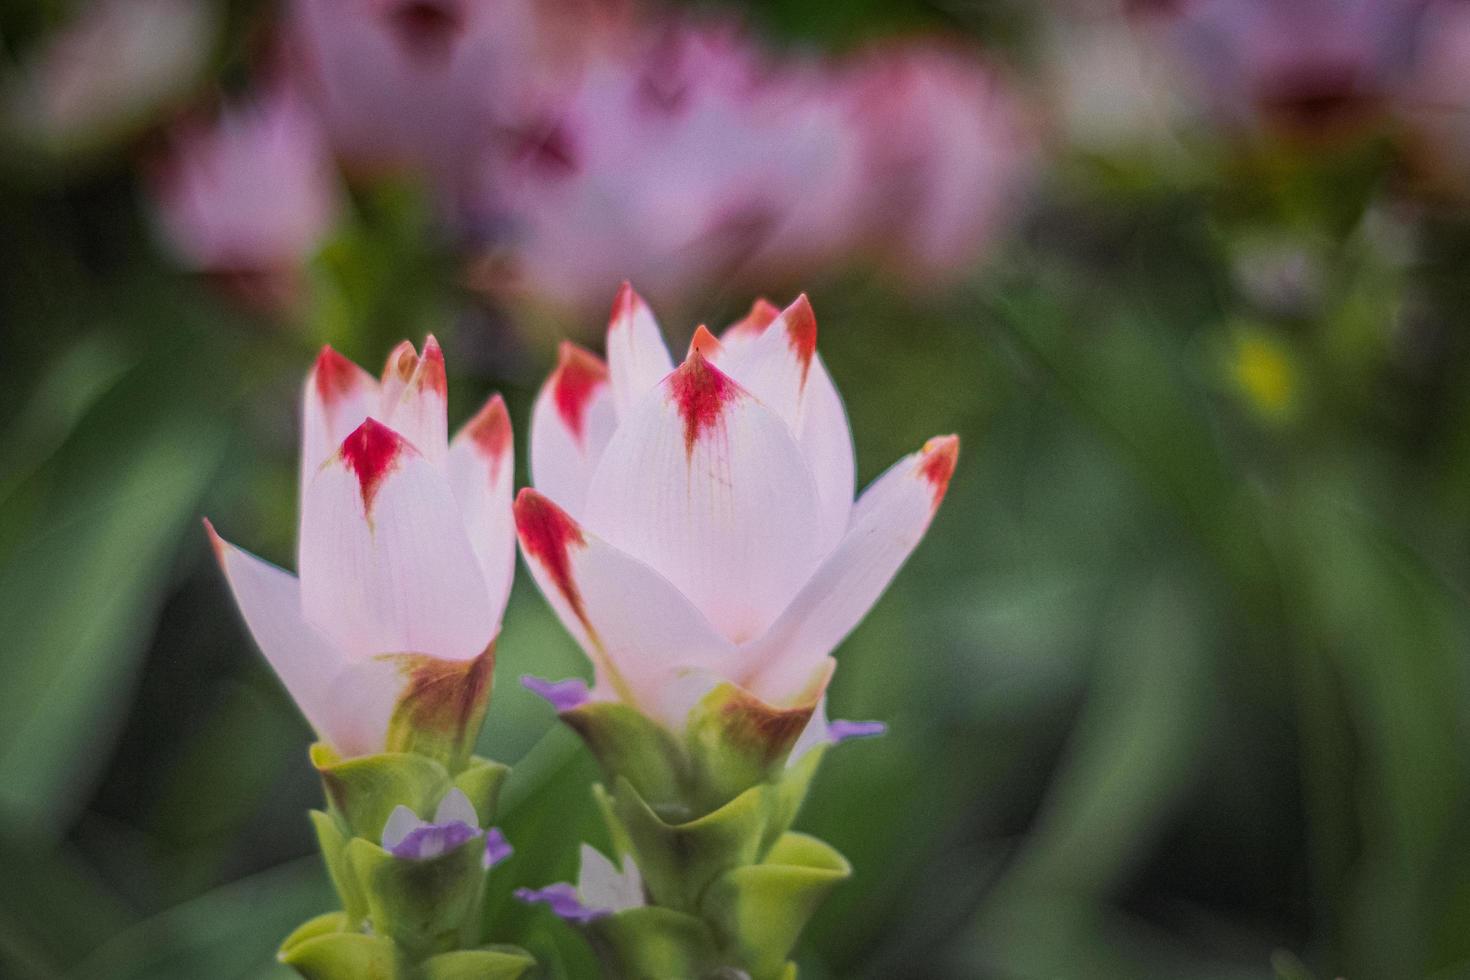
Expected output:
(1176, 685)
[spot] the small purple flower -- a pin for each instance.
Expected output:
(601, 890)
(497, 848)
(563, 695)
(455, 823)
(841, 731)
(563, 900)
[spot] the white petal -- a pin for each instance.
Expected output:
(401, 822)
(745, 330)
(270, 602)
(398, 371)
(633, 625)
(571, 423)
(421, 412)
(481, 470)
(385, 563)
(456, 807)
(338, 396)
(776, 365)
(888, 522)
(600, 885)
(637, 359)
(708, 487)
(826, 442)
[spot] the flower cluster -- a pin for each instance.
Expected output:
(569, 148)
(694, 528)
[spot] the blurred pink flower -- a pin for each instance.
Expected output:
(1433, 105)
(694, 524)
(652, 157)
(109, 70)
(250, 196)
(950, 150)
(1306, 68)
(407, 550)
(411, 84)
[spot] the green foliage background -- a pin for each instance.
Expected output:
(1176, 684)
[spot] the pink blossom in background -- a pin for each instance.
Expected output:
(1432, 107)
(652, 158)
(1307, 68)
(410, 84)
(950, 151)
(249, 196)
(108, 71)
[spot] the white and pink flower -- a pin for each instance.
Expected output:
(695, 524)
(250, 197)
(406, 555)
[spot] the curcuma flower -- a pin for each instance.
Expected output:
(695, 525)
(406, 554)
(601, 890)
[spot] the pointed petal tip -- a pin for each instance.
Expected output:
(841, 730)
(762, 314)
(401, 363)
(578, 375)
(704, 343)
(937, 462)
(334, 375)
(625, 305)
(217, 544)
(497, 848)
(547, 535)
(429, 373)
(490, 429)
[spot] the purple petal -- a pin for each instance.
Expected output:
(841, 731)
(432, 840)
(563, 900)
(563, 695)
(497, 848)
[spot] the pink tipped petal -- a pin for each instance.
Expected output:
(888, 522)
(745, 330)
(398, 370)
(637, 359)
(707, 486)
(270, 602)
(776, 365)
(704, 344)
(338, 396)
(421, 413)
(386, 566)
(630, 621)
(571, 422)
(481, 470)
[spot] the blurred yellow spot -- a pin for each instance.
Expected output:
(1263, 372)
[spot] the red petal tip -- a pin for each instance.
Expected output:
(624, 306)
(578, 375)
(334, 375)
(217, 544)
(371, 452)
(491, 433)
(704, 343)
(701, 391)
(547, 534)
(801, 332)
(430, 372)
(402, 362)
(762, 314)
(937, 464)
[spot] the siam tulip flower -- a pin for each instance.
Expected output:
(408, 837)
(601, 890)
(107, 72)
(671, 153)
(250, 198)
(406, 557)
(411, 85)
(695, 525)
(948, 155)
(1302, 68)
